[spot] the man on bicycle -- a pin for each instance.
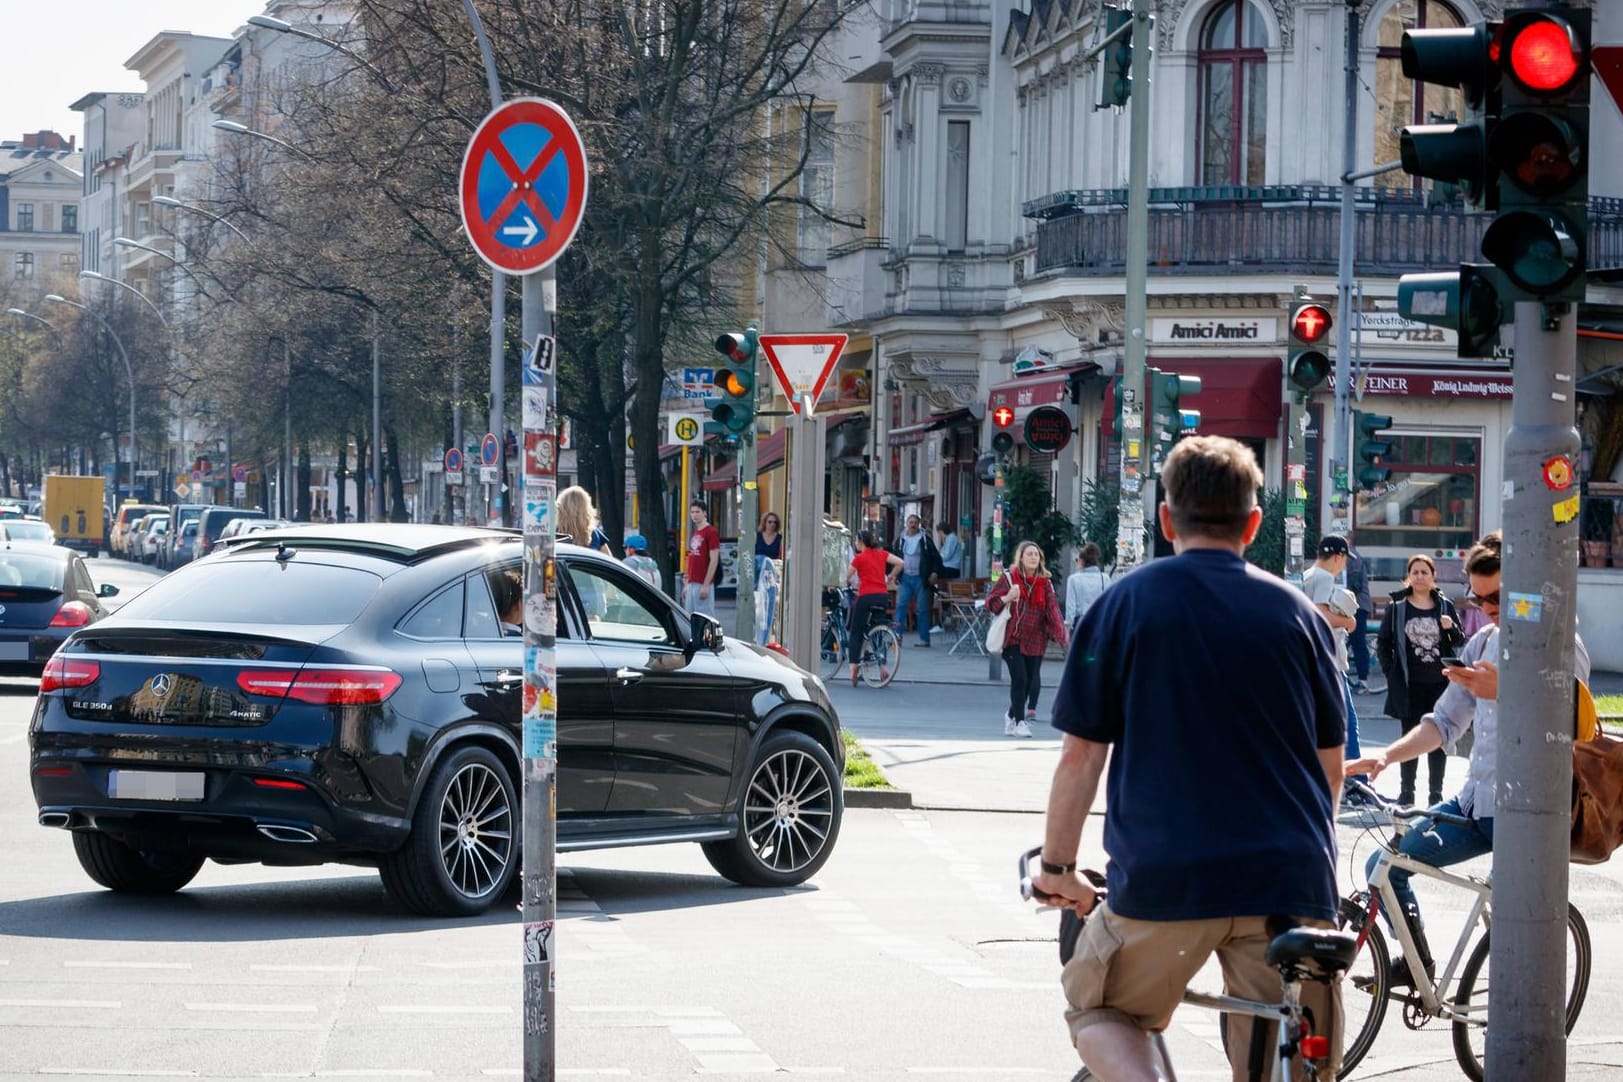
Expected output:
(1470, 702)
(1211, 687)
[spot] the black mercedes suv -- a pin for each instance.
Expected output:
(347, 694)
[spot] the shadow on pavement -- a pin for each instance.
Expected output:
(19, 687)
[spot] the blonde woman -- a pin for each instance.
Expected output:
(578, 518)
(1027, 590)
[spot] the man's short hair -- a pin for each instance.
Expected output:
(1090, 555)
(1211, 487)
(1483, 557)
(701, 505)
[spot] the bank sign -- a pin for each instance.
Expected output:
(1253, 331)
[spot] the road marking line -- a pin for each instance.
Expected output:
(60, 1004)
(120, 1072)
(450, 1008)
(493, 963)
(255, 1008)
(720, 1044)
(381, 1072)
(311, 969)
(716, 1027)
(739, 1063)
(984, 1072)
(128, 965)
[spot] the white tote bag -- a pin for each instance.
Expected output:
(995, 633)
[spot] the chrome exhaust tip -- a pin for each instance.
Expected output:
(55, 819)
(279, 832)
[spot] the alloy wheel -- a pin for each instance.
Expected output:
(476, 830)
(789, 810)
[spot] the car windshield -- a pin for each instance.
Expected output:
(26, 569)
(260, 591)
(28, 531)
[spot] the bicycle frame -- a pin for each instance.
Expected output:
(1288, 1014)
(1432, 993)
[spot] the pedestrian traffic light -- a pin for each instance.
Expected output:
(1369, 448)
(1307, 364)
(734, 408)
(1116, 69)
(1464, 301)
(1540, 148)
(1463, 57)
(1170, 420)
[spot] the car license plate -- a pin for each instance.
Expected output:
(154, 785)
(13, 651)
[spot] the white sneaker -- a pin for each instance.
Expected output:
(938, 630)
(1008, 725)
(1020, 728)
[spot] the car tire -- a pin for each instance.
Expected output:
(130, 871)
(788, 817)
(471, 802)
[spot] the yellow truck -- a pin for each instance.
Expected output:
(74, 508)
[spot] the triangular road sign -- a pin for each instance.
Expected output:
(803, 363)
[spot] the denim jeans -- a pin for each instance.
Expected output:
(909, 588)
(763, 630)
(1353, 751)
(1358, 646)
(1439, 845)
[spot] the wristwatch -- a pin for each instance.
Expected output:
(1056, 869)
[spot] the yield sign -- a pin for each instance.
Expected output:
(802, 363)
(1607, 60)
(522, 190)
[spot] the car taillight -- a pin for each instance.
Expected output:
(71, 614)
(279, 783)
(61, 672)
(324, 687)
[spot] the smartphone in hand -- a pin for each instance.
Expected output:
(1454, 663)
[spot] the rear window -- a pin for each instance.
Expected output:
(257, 592)
(23, 569)
(214, 521)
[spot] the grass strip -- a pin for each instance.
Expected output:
(861, 772)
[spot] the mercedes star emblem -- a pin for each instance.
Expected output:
(161, 684)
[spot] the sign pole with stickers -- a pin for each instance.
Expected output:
(522, 195)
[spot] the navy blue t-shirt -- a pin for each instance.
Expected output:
(1215, 683)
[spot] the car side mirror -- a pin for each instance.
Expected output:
(704, 631)
(107, 589)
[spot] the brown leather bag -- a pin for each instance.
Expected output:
(1597, 786)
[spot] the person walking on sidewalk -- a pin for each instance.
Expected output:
(1338, 607)
(1358, 640)
(1085, 585)
(768, 547)
(704, 561)
(920, 564)
(1420, 628)
(1027, 590)
(1211, 689)
(875, 571)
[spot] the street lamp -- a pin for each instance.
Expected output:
(282, 26)
(93, 276)
(240, 129)
(30, 315)
(126, 242)
(171, 201)
(57, 298)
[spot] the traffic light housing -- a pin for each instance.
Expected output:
(1540, 148)
(1307, 335)
(1170, 420)
(1456, 153)
(734, 408)
(1369, 450)
(1116, 67)
(1466, 302)
(1002, 439)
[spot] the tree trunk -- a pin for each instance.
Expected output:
(397, 484)
(363, 474)
(303, 474)
(342, 498)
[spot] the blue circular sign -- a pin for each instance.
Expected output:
(453, 460)
(490, 449)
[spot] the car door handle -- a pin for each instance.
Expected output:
(628, 676)
(507, 678)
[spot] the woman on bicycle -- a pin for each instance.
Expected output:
(1027, 590)
(875, 570)
(1420, 628)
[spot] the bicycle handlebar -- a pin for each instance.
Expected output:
(1031, 893)
(1406, 811)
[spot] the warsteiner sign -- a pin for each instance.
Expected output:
(1048, 429)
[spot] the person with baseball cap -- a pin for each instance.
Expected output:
(639, 561)
(1339, 608)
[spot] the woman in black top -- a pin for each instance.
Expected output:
(1420, 628)
(768, 546)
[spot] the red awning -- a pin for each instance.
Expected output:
(722, 478)
(1023, 394)
(1238, 396)
(768, 455)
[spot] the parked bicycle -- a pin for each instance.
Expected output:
(1300, 954)
(1463, 1003)
(881, 650)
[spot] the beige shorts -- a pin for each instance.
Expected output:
(1135, 971)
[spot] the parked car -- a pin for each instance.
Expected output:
(345, 693)
(179, 515)
(239, 526)
(45, 593)
(177, 549)
(153, 531)
(135, 536)
(27, 529)
(123, 519)
(215, 519)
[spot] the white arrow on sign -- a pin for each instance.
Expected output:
(803, 363)
(527, 231)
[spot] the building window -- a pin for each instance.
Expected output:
(1400, 101)
(957, 232)
(1430, 501)
(817, 188)
(25, 217)
(69, 262)
(1233, 95)
(24, 266)
(70, 218)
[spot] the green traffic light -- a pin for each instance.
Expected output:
(1116, 68)
(1464, 301)
(1369, 449)
(1539, 250)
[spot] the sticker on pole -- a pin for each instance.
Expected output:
(803, 363)
(522, 190)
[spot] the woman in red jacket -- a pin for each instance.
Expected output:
(1027, 590)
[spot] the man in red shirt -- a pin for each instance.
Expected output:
(704, 560)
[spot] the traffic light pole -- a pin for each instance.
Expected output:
(1532, 823)
(1336, 438)
(1296, 490)
(1134, 445)
(748, 511)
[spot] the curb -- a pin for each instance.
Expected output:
(878, 798)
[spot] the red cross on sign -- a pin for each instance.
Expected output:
(522, 190)
(1003, 416)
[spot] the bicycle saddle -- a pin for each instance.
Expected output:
(1328, 951)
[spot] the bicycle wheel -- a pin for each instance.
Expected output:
(829, 651)
(1366, 986)
(1471, 1031)
(881, 657)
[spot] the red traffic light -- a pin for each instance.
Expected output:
(1310, 323)
(1545, 56)
(1003, 416)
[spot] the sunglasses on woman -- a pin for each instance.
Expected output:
(1483, 599)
